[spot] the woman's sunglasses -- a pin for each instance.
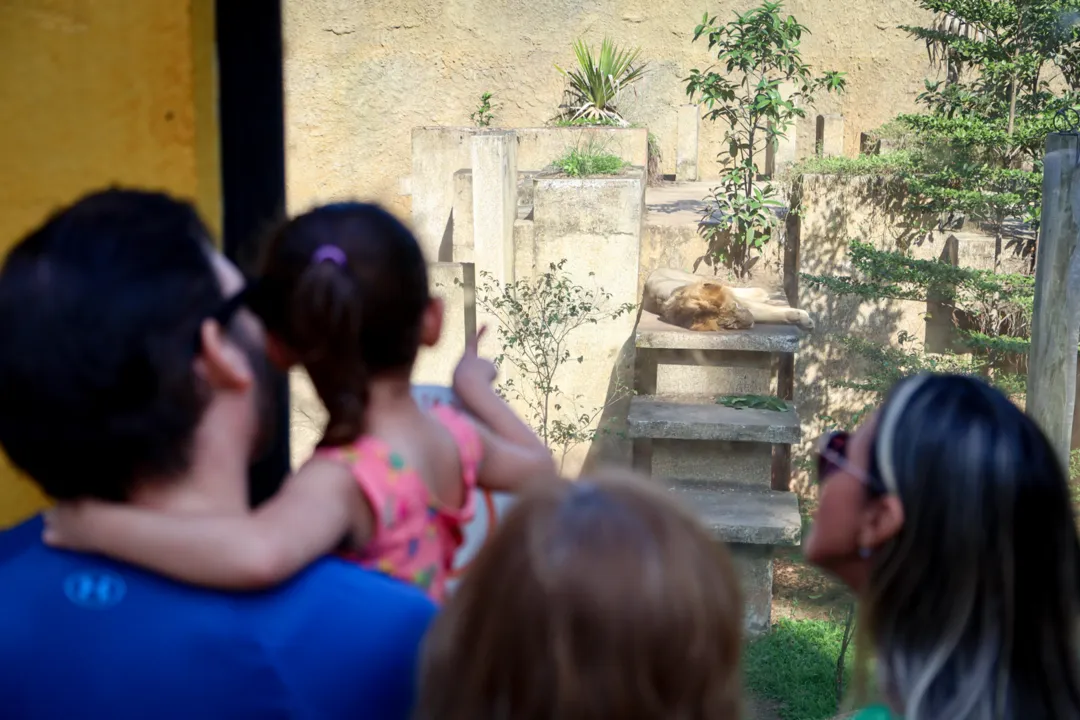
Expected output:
(832, 458)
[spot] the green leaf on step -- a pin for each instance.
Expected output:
(753, 402)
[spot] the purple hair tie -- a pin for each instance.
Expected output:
(329, 253)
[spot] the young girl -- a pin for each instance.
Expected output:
(345, 293)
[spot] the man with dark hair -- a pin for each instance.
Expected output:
(129, 371)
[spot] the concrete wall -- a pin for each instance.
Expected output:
(99, 93)
(360, 76)
(834, 211)
(440, 153)
(596, 225)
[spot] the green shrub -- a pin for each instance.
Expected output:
(593, 88)
(583, 162)
(587, 122)
(889, 164)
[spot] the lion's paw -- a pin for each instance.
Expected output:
(801, 318)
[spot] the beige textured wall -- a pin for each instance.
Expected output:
(360, 74)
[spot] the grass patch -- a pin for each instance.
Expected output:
(583, 162)
(889, 164)
(795, 666)
(753, 402)
(587, 122)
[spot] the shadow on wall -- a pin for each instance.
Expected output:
(612, 446)
(833, 211)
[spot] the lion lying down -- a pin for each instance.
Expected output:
(700, 303)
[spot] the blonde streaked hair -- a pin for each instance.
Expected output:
(970, 611)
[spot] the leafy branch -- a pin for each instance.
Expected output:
(536, 319)
(757, 52)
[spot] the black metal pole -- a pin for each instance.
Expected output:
(251, 117)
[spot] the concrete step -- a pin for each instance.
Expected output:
(742, 514)
(654, 334)
(697, 417)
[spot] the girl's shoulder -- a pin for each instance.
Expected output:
(464, 431)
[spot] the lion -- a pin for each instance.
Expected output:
(703, 304)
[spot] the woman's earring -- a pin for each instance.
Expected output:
(864, 553)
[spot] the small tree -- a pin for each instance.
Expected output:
(485, 111)
(981, 140)
(536, 318)
(757, 51)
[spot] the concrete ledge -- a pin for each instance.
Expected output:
(735, 463)
(743, 514)
(654, 333)
(754, 564)
(701, 418)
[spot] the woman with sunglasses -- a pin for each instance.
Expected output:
(949, 515)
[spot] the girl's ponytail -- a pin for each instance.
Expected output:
(325, 319)
(345, 288)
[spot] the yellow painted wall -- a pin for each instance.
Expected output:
(95, 93)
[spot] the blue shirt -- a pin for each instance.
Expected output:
(85, 637)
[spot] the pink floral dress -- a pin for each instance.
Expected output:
(415, 537)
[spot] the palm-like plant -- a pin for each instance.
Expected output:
(595, 85)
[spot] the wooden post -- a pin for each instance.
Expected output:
(1055, 325)
(785, 365)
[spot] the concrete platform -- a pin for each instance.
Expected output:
(694, 417)
(739, 513)
(683, 203)
(655, 334)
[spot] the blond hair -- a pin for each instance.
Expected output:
(597, 599)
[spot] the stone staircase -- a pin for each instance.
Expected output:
(719, 459)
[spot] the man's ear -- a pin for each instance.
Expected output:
(431, 323)
(882, 521)
(280, 355)
(221, 361)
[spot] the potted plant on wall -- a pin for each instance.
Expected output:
(594, 87)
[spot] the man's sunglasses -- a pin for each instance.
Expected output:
(227, 310)
(832, 458)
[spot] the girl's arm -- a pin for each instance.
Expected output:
(513, 454)
(507, 466)
(315, 509)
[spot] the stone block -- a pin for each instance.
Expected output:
(455, 284)
(437, 153)
(524, 249)
(830, 135)
(494, 195)
(463, 217)
(686, 149)
(727, 462)
(463, 249)
(740, 513)
(652, 332)
(754, 565)
(595, 224)
(678, 417)
(679, 372)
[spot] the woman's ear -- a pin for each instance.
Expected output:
(882, 521)
(221, 362)
(279, 354)
(431, 323)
